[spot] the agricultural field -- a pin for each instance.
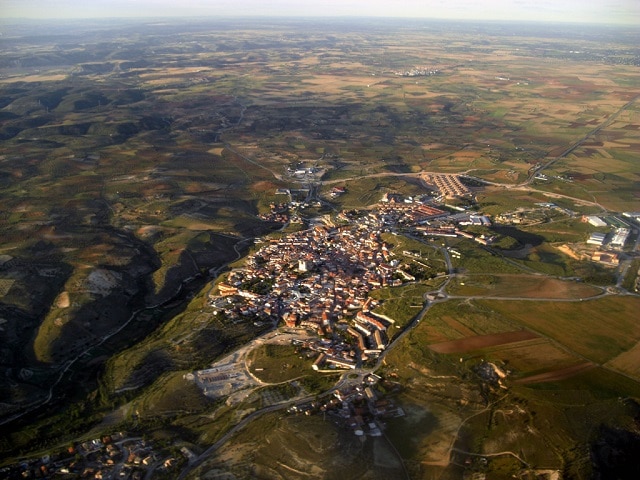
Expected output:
(401, 304)
(526, 286)
(600, 168)
(596, 330)
(600, 331)
(537, 412)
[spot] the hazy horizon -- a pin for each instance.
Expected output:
(622, 12)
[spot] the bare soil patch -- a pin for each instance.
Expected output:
(63, 300)
(482, 341)
(52, 77)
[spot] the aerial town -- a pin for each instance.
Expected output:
(318, 279)
(315, 284)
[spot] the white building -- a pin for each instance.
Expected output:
(620, 237)
(596, 239)
(596, 221)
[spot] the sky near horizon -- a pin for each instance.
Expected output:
(580, 11)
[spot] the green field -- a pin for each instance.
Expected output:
(542, 421)
(279, 363)
(402, 304)
(526, 286)
(597, 330)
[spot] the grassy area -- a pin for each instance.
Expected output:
(596, 384)
(474, 259)
(363, 192)
(519, 286)
(425, 250)
(300, 446)
(401, 304)
(459, 319)
(172, 395)
(568, 230)
(543, 422)
(318, 383)
(495, 201)
(548, 260)
(279, 363)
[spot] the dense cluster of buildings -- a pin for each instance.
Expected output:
(317, 279)
(418, 72)
(107, 457)
(361, 408)
(449, 186)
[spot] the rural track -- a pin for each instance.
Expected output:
(525, 299)
(227, 436)
(579, 142)
(497, 454)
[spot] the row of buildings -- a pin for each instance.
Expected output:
(449, 185)
(614, 240)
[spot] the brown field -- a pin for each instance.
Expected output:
(45, 77)
(556, 375)
(530, 357)
(216, 151)
(469, 344)
(526, 286)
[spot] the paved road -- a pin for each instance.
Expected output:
(222, 440)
